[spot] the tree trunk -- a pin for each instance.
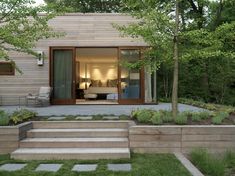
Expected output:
(176, 64)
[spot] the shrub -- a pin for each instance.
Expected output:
(204, 114)
(156, 118)
(22, 115)
(219, 117)
(196, 117)
(97, 117)
(181, 119)
(207, 163)
(166, 116)
(124, 117)
(4, 118)
(144, 115)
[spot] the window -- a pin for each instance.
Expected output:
(7, 68)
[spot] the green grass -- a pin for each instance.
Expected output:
(142, 165)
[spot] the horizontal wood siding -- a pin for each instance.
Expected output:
(10, 136)
(164, 139)
(81, 30)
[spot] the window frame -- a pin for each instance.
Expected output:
(12, 73)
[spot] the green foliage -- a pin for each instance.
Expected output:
(196, 117)
(144, 116)
(166, 116)
(124, 117)
(209, 106)
(181, 119)
(157, 118)
(97, 117)
(21, 26)
(229, 159)
(4, 118)
(88, 6)
(22, 115)
(208, 164)
(219, 117)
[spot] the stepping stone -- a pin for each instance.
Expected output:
(12, 167)
(119, 167)
(84, 118)
(84, 167)
(48, 167)
(111, 117)
(56, 118)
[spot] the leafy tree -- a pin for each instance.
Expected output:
(159, 27)
(21, 26)
(88, 6)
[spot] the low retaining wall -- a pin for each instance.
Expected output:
(11, 135)
(165, 139)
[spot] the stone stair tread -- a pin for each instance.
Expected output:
(79, 130)
(70, 150)
(75, 140)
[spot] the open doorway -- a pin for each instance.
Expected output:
(96, 76)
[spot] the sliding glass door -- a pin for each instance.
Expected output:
(62, 76)
(131, 83)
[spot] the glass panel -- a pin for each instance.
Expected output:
(130, 78)
(6, 68)
(63, 74)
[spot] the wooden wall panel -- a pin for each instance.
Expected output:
(165, 139)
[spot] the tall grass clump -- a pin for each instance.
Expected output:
(208, 164)
(4, 118)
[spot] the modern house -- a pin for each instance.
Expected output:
(82, 67)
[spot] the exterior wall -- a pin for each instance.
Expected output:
(11, 135)
(82, 30)
(164, 139)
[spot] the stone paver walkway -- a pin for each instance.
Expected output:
(49, 167)
(12, 167)
(62, 110)
(119, 167)
(84, 167)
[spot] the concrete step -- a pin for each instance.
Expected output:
(70, 153)
(80, 124)
(74, 143)
(76, 133)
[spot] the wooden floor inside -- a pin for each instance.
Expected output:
(97, 102)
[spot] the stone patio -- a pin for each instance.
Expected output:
(88, 110)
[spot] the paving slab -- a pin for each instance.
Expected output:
(111, 117)
(83, 118)
(12, 167)
(84, 167)
(119, 167)
(48, 167)
(57, 118)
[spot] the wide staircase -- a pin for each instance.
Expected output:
(56, 140)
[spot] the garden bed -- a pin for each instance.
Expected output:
(162, 117)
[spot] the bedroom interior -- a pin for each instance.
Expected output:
(96, 76)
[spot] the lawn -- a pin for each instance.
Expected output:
(142, 165)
